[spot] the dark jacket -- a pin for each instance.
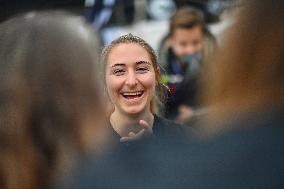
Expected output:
(250, 156)
(162, 128)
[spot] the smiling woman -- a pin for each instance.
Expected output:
(132, 78)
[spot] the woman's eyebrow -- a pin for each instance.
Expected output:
(118, 64)
(143, 62)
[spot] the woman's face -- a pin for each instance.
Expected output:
(130, 78)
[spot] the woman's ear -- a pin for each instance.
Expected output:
(158, 71)
(158, 75)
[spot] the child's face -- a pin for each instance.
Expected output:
(187, 41)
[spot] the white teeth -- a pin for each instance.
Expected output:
(132, 93)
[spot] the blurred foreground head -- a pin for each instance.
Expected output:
(248, 73)
(50, 106)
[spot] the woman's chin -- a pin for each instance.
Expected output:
(134, 110)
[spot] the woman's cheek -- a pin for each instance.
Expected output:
(149, 82)
(112, 87)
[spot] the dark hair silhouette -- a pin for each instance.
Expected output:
(50, 106)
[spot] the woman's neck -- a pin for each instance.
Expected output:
(124, 123)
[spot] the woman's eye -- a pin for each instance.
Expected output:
(142, 70)
(118, 71)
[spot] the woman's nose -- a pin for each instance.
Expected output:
(131, 79)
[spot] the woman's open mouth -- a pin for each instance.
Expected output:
(132, 95)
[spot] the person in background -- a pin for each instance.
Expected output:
(182, 54)
(50, 108)
(132, 80)
(243, 132)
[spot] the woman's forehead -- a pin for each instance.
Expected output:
(128, 52)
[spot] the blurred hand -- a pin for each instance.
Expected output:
(146, 132)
